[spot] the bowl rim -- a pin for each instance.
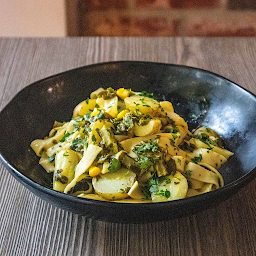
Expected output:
(236, 184)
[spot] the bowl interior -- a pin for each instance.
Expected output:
(201, 97)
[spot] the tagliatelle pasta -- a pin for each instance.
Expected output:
(126, 146)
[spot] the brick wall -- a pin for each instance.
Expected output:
(166, 17)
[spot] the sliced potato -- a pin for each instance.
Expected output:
(152, 127)
(129, 144)
(84, 107)
(94, 94)
(143, 104)
(109, 105)
(166, 106)
(114, 186)
(178, 187)
(171, 188)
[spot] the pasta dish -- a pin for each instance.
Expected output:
(126, 146)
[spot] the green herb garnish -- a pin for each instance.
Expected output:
(197, 159)
(146, 94)
(93, 138)
(51, 158)
(76, 127)
(114, 166)
(66, 135)
(78, 144)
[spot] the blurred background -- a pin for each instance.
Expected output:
(56, 18)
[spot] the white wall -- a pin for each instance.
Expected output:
(32, 18)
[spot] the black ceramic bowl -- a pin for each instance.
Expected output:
(201, 97)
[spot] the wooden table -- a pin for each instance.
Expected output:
(30, 226)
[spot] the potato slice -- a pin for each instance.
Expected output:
(152, 127)
(114, 186)
(130, 143)
(143, 104)
(94, 95)
(109, 105)
(166, 106)
(171, 188)
(84, 107)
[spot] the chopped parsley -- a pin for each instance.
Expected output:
(172, 142)
(100, 116)
(153, 184)
(206, 139)
(188, 172)
(51, 158)
(168, 181)
(88, 115)
(146, 94)
(197, 159)
(174, 129)
(65, 154)
(149, 146)
(114, 166)
(66, 135)
(165, 193)
(145, 163)
(61, 178)
(154, 187)
(148, 153)
(142, 100)
(76, 127)
(79, 118)
(93, 138)
(78, 144)
(87, 101)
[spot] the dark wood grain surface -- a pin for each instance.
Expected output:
(30, 226)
